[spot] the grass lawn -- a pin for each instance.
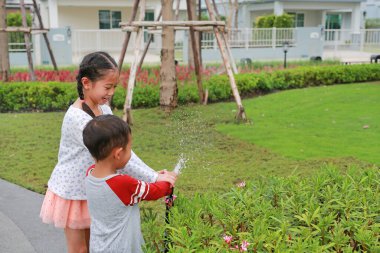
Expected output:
(315, 123)
(294, 131)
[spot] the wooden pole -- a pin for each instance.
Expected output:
(222, 45)
(233, 64)
(190, 53)
(177, 10)
(27, 42)
(4, 54)
(45, 35)
(196, 53)
(128, 34)
(127, 116)
(200, 35)
(148, 44)
(217, 17)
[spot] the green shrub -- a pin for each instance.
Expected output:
(51, 96)
(218, 88)
(15, 19)
(372, 23)
(187, 94)
(330, 211)
(284, 21)
(269, 21)
(36, 96)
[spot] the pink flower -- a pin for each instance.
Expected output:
(244, 245)
(227, 238)
(241, 184)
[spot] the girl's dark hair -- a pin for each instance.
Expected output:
(104, 133)
(93, 66)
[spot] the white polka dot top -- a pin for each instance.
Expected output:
(67, 178)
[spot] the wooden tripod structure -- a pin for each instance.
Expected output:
(218, 27)
(27, 31)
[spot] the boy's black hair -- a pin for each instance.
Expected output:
(93, 66)
(104, 133)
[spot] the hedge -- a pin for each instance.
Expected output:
(52, 96)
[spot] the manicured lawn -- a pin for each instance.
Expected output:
(326, 123)
(315, 123)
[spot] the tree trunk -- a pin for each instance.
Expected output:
(4, 55)
(168, 86)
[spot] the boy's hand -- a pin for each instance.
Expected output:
(167, 176)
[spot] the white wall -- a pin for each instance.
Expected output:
(74, 16)
(313, 11)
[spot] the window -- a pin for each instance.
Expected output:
(333, 21)
(299, 19)
(109, 19)
(149, 16)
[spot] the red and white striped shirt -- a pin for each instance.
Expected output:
(115, 217)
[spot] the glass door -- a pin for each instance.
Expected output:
(333, 23)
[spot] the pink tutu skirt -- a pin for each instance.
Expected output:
(65, 213)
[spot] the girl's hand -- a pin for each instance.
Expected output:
(167, 176)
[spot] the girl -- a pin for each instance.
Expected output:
(65, 202)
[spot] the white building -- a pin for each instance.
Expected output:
(98, 14)
(94, 14)
(89, 25)
(372, 9)
(341, 14)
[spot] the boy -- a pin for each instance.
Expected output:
(112, 198)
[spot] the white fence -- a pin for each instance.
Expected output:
(111, 41)
(16, 42)
(252, 38)
(346, 39)
(84, 41)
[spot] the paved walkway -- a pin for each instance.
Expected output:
(347, 55)
(21, 230)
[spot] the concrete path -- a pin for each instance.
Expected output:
(21, 229)
(347, 56)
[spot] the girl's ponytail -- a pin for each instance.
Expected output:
(88, 110)
(93, 66)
